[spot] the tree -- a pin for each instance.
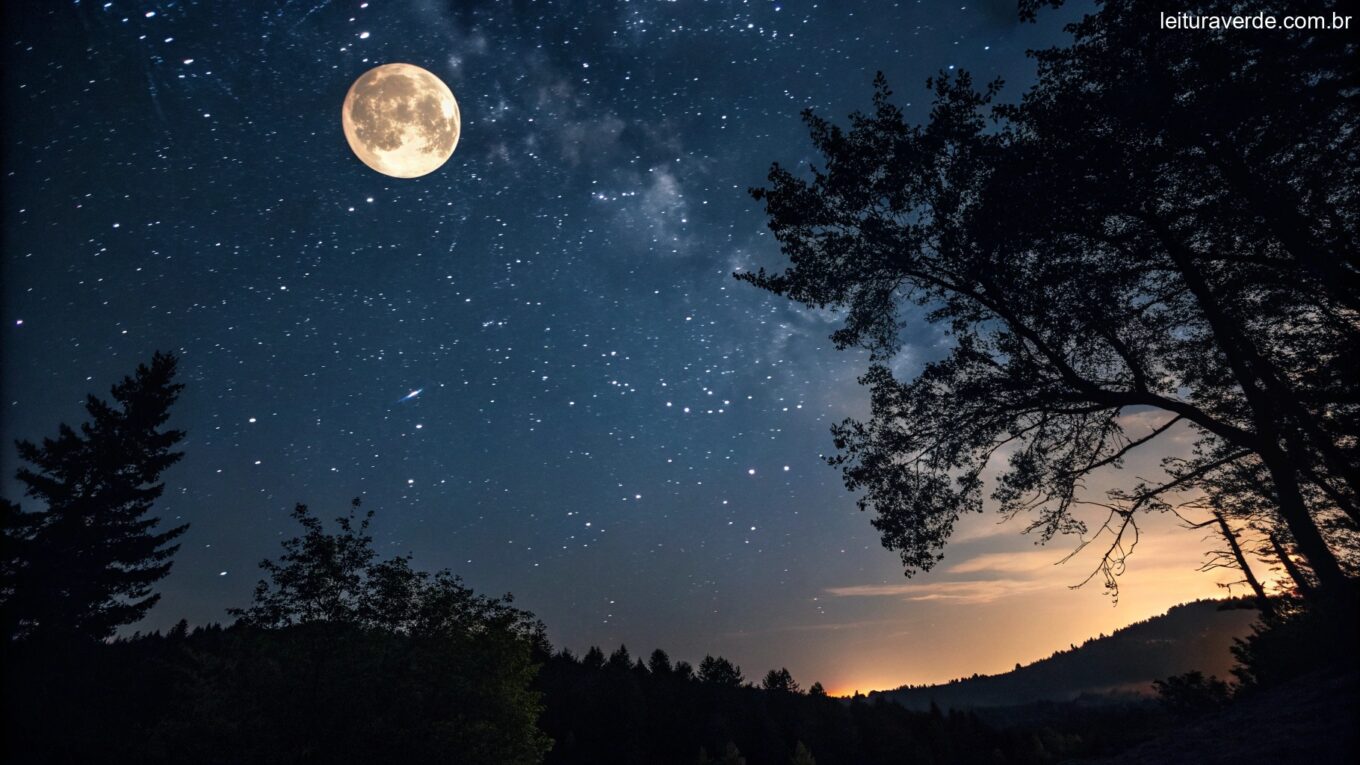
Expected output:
(1152, 242)
(1234, 557)
(780, 681)
(659, 663)
(337, 578)
(732, 755)
(802, 756)
(594, 658)
(86, 563)
(620, 659)
(720, 671)
(344, 657)
(817, 690)
(16, 538)
(1192, 694)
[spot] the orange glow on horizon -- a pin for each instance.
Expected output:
(996, 605)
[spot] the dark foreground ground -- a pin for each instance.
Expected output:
(1314, 719)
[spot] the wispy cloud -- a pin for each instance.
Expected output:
(1008, 562)
(856, 625)
(980, 591)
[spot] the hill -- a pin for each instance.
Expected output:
(1192, 636)
(1309, 719)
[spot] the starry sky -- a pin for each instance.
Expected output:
(609, 426)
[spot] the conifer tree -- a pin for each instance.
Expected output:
(85, 564)
(720, 671)
(660, 663)
(781, 681)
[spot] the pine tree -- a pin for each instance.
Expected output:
(594, 658)
(732, 755)
(660, 663)
(621, 659)
(720, 671)
(85, 564)
(780, 681)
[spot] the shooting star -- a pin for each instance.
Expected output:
(410, 395)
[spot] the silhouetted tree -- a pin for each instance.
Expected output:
(85, 563)
(817, 690)
(720, 671)
(16, 537)
(620, 658)
(780, 681)
(659, 663)
(1233, 556)
(1161, 226)
(343, 657)
(594, 658)
(801, 755)
(1192, 694)
(731, 755)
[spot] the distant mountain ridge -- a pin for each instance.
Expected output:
(1191, 636)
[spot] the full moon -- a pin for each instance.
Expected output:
(401, 120)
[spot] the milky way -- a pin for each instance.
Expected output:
(609, 425)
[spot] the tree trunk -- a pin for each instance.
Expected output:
(1304, 586)
(1294, 513)
(1292, 508)
(1262, 600)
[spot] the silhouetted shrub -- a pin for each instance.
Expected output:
(1192, 694)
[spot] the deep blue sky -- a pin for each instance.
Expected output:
(597, 389)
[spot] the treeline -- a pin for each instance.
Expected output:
(340, 693)
(625, 710)
(342, 656)
(317, 692)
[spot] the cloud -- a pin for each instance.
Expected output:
(1007, 562)
(978, 526)
(855, 626)
(970, 592)
(1167, 560)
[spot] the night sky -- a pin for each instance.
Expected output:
(609, 426)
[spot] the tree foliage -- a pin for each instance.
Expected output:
(1158, 238)
(780, 681)
(86, 562)
(337, 578)
(1192, 694)
(605, 714)
(716, 670)
(343, 657)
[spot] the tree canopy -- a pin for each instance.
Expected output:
(1158, 238)
(85, 562)
(344, 657)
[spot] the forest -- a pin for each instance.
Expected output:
(1165, 225)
